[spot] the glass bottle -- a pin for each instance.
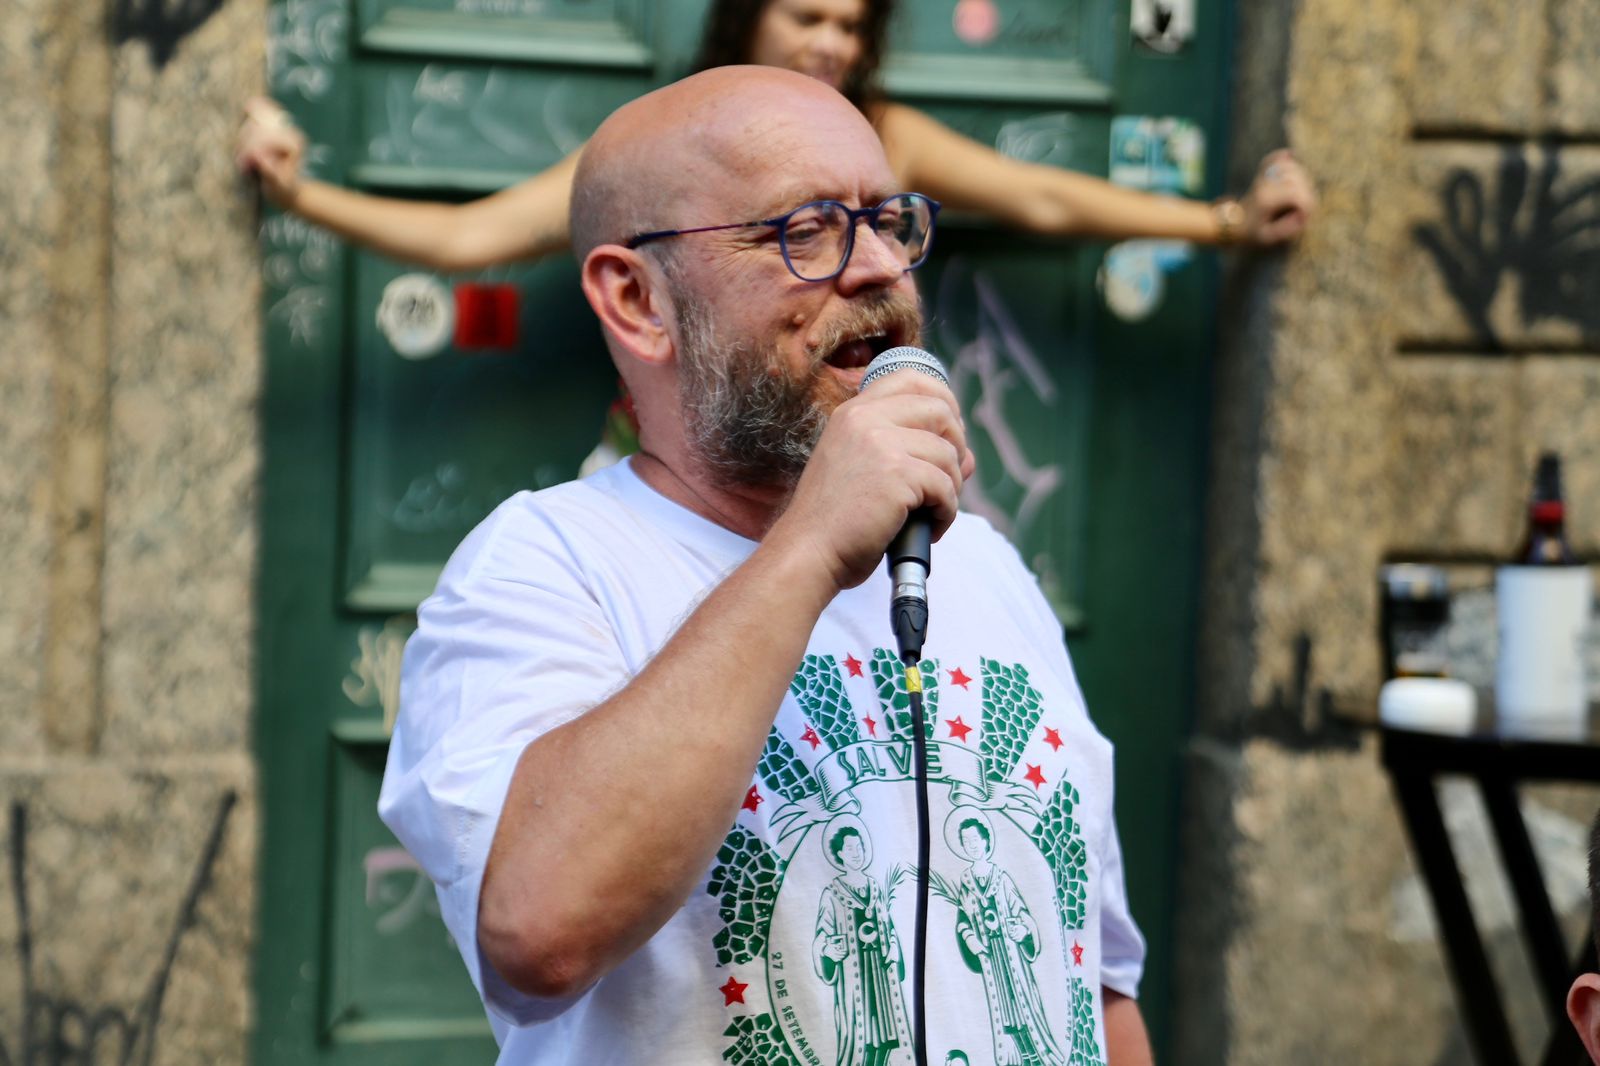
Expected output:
(1545, 541)
(1544, 599)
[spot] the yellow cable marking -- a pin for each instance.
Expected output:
(913, 679)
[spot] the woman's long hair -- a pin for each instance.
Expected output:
(730, 32)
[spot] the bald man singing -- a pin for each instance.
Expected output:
(653, 746)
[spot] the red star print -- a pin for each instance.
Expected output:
(959, 729)
(1053, 738)
(852, 664)
(732, 992)
(872, 726)
(1035, 775)
(752, 799)
(1077, 953)
(810, 737)
(958, 678)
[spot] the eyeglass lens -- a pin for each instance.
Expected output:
(818, 238)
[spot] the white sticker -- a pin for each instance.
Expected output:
(1164, 26)
(1133, 277)
(416, 315)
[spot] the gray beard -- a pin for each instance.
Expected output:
(748, 422)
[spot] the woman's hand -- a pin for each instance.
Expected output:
(271, 147)
(1280, 201)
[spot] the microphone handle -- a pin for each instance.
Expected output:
(909, 559)
(914, 542)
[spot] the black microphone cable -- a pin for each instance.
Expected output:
(919, 746)
(909, 560)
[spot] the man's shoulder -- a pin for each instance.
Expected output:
(974, 547)
(976, 534)
(562, 519)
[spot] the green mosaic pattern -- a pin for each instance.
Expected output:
(757, 1042)
(783, 771)
(745, 882)
(895, 701)
(1085, 1051)
(1011, 709)
(819, 689)
(1062, 845)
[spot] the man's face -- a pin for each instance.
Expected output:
(764, 357)
(852, 852)
(753, 416)
(972, 843)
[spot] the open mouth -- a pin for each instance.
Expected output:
(857, 352)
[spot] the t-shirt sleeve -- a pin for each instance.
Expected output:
(496, 662)
(1121, 943)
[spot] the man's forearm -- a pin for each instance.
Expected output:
(612, 819)
(1127, 1042)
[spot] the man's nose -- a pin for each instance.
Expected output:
(873, 264)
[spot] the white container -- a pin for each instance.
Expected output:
(1428, 704)
(1544, 631)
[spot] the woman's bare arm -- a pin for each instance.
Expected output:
(525, 221)
(931, 158)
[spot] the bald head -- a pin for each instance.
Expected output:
(675, 157)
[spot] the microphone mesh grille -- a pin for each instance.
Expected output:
(904, 357)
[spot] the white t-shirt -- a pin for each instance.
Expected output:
(796, 948)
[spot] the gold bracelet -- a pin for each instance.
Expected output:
(1229, 214)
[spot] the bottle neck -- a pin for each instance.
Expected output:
(1546, 540)
(1547, 513)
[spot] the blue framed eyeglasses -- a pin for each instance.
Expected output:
(816, 239)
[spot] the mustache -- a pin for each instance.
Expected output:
(891, 313)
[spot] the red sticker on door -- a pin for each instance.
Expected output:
(486, 317)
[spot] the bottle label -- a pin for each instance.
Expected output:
(1544, 631)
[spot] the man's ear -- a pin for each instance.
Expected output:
(631, 300)
(1583, 1007)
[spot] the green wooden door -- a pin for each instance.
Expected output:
(401, 406)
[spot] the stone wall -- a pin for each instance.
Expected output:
(1382, 394)
(129, 368)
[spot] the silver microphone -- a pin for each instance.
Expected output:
(909, 557)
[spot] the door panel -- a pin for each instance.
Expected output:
(436, 442)
(382, 452)
(387, 946)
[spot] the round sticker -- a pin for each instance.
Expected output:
(416, 316)
(1132, 280)
(1164, 26)
(976, 21)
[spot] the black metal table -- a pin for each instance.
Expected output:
(1498, 763)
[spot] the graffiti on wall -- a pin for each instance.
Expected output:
(163, 24)
(1534, 232)
(446, 111)
(298, 262)
(399, 887)
(305, 39)
(60, 1030)
(374, 679)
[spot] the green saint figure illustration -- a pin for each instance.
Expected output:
(856, 951)
(1000, 940)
